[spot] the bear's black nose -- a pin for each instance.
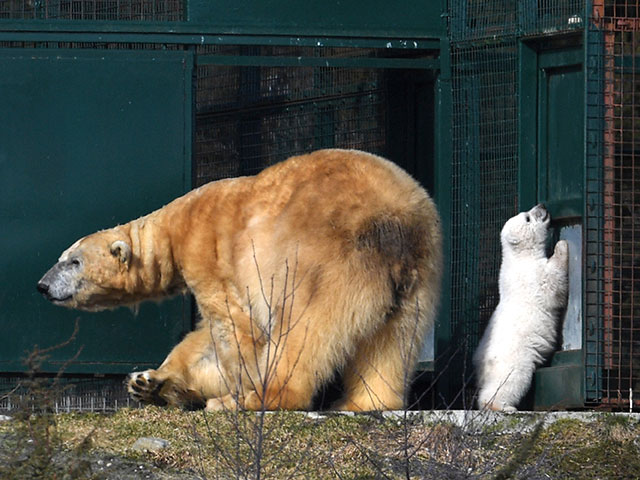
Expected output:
(43, 288)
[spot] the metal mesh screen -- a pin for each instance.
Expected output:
(613, 183)
(485, 159)
(494, 19)
(66, 394)
(139, 10)
(251, 117)
(484, 180)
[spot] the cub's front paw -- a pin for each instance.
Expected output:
(561, 249)
(145, 387)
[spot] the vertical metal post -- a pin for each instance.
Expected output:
(443, 196)
(609, 211)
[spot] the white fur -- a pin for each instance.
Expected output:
(522, 331)
(65, 255)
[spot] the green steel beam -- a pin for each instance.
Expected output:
(527, 126)
(188, 34)
(358, 18)
(327, 18)
(354, 62)
(593, 282)
(443, 196)
(189, 127)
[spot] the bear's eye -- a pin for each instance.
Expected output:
(526, 217)
(75, 262)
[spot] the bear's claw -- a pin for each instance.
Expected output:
(144, 387)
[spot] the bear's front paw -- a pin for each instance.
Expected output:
(145, 387)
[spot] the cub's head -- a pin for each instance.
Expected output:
(92, 274)
(527, 231)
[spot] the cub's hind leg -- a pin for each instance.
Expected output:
(189, 375)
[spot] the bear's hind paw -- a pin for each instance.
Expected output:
(226, 402)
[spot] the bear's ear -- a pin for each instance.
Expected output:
(122, 251)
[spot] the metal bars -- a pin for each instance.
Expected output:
(613, 183)
(64, 394)
(485, 178)
(138, 10)
(485, 159)
(497, 19)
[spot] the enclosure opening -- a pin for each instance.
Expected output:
(250, 117)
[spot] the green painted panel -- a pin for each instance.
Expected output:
(315, 17)
(559, 386)
(88, 139)
(561, 141)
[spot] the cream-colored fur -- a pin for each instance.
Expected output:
(522, 331)
(325, 261)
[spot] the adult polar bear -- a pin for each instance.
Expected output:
(326, 261)
(522, 331)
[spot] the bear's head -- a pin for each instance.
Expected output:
(527, 231)
(92, 274)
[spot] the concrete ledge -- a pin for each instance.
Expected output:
(478, 421)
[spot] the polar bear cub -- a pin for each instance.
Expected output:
(522, 331)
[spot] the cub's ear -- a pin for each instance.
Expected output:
(121, 250)
(511, 239)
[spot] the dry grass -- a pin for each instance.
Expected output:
(338, 446)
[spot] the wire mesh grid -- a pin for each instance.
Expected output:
(65, 394)
(613, 180)
(139, 10)
(469, 20)
(251, 117)
(485, 174)
(493, 19)
(552, 16)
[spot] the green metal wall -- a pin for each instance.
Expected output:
(349, 18)
(85, 144)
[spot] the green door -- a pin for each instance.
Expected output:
(552, 172)
(88, 139)
(561, 133)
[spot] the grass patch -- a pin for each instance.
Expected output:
(294, 445)
(606, 448)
